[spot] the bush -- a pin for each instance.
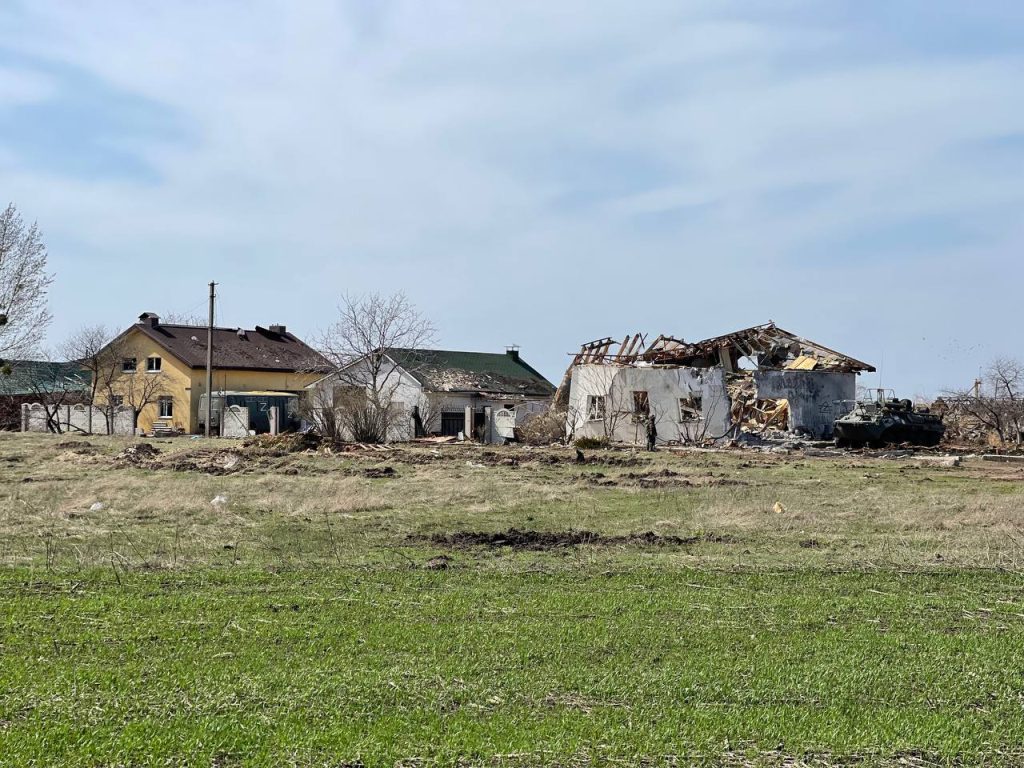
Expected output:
(543, 429)
(591, 442)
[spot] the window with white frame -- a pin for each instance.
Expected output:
(153, 364)
(595, 407)
(129, 365)
(166, 407)
(690, 407)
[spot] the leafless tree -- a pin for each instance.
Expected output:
(183, 318)
(996, 401)
(139, 390)
(53, 385)
(24, 285)
(373, 338)
(92, 349)
(102, 356)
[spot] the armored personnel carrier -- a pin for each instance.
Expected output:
(886, 421)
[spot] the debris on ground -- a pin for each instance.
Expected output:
(219, 501)
(98, 506)
(280, 445)
(749, 413)
(777, 508)
(206, 462)
(137, 453)
(515, 538)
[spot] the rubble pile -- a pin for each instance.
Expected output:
(137, 454)
(751, 414)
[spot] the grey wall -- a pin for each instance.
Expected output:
(76, 418)
(664, 387)
(813, 397)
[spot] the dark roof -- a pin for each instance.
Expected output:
(259, 349)
(440, 370)
(30, 377)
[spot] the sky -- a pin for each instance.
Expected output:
(534, 173)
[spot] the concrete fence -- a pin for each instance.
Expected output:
(75, 418)
(235, 421)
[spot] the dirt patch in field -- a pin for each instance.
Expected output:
(380, 472)
(207, 463)
(516, 538)
(75, 445)
(137, 454)
(662, 478)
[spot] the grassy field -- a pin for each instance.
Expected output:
(474, 606)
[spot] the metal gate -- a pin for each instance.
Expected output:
(452, 422)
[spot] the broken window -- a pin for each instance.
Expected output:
(129, 364)
(595, 407)
(641, 403)
(117, 400)
(690, 407)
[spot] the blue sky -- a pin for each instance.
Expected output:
(538, 173)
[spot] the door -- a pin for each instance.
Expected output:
(452, 422)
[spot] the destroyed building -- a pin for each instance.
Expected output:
(751, 380)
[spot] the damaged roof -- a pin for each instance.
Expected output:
(259, 349)
(768, 346)
(440, 370)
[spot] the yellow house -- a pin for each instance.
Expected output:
(160, 370)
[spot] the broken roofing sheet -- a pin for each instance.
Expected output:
(767, 346)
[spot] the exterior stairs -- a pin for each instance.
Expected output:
(163, 428)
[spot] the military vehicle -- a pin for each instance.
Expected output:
(887, 420)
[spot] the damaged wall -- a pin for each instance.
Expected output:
(665, 386)
(812, 397)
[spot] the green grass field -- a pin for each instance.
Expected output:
(327, 615)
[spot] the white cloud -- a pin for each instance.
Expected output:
(424, 146)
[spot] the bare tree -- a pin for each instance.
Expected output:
(54, 385)
(193, 319)
(114, 380)
(373, 338)
(139, 390)
(91, 348)
(996, 402)
(24, 285)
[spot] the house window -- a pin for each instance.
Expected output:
(129, 365)
(595, 407)
(117, 400)
(166, 407)
(690, 408)
(153, 364)
(641, 404)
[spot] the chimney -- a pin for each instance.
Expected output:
(149, 318)
(513, 351)
(278, 329)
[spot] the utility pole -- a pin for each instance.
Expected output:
(209, 362)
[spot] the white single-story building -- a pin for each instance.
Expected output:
(445, 392)
(749, 380)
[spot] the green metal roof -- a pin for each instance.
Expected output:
(442, 370)
(30, 377)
